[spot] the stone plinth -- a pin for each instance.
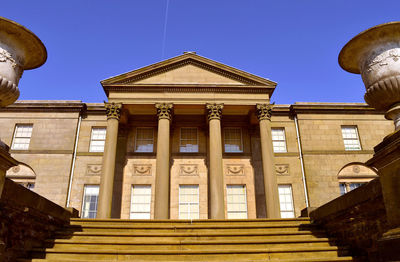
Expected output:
(387, 161)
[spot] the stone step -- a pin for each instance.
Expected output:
(215, 223)
(155, 237)
(190, 255)
(184, 221)
(185, 245)
(183, 238)
(165, 229)
(343, 259)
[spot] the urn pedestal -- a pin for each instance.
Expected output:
(375, 54)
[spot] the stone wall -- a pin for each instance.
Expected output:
(356, 219)
(26, 220)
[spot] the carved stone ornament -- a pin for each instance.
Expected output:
(113, 110)
(188, 170)
(93, 170)
(164, 110)
(235, 170)
(142, 169)
(264, 111)
(375, 54)
(214, 111)
(282, 169)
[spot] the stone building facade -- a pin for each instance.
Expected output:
(191, 138)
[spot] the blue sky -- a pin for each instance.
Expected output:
(295, 43)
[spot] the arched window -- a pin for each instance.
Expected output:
(23, 175)
(354, 175)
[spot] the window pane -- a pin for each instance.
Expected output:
(144, 139)
(97, 139)
(286, 201)
(188, 141)
(233, 139)
(343, 189)
(278, 140)
(140, 202)
(188, 201)
(90, 199)
(350, 138)
(236, 201)
(22, 136)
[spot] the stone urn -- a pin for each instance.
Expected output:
(20, 50)
(375, 54)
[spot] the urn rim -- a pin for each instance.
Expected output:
(34, 50)
(351, 53)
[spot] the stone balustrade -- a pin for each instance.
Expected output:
(357, 220)
(27, 220)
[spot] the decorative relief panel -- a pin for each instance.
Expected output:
(142, 170)
(282, 169)
(234, 170)
(188, 170)
(93, 170)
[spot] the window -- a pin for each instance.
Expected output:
(90, 198)
(286, 201)
(278, 140)
(350, 138)
(188, 142)
(30, 186)
(347, 187)
(140, 202)
(144, 139)
(97, 139)
(188, 202)
(22, 136)
(233, 140)
(236, 201)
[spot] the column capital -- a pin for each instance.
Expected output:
(113, 110)
(214, 111)
(264, 111)
(164, 110)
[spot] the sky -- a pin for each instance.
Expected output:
(294, 43)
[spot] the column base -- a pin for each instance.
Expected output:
(389, 245)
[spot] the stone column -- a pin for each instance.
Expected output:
(113, 111)
(268, 163)
(217, 207)
(161, 202)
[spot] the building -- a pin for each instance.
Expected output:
(188, 136)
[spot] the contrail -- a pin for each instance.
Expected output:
(165, 29)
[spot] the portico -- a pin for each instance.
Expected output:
(187, 122)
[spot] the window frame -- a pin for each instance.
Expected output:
(245, 198)
(149, 186)
(292, 200)
(355, 127)
(91, 138)
(15, 137)
(189, 204)
(197, 139)
(136, 139)
(241, 139)
(84, 201)
(284, 139)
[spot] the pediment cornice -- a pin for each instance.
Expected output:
(237, 75)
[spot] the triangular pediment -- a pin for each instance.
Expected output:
(188, 69)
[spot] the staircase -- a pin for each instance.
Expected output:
(183, 240)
